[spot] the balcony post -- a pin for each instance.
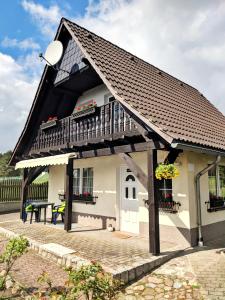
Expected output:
(154, 239)
(69, 195)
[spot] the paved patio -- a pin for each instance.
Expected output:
(118, 252)
(197, 273)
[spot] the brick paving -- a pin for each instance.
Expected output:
(197, 273)
(30, 266)
(99, 245)
(9, 217)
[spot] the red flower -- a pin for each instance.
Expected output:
(168, 195)
(86, 194)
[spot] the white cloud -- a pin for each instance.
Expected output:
(17, 89)
(46, 18)
(184, 38)
(25, 44)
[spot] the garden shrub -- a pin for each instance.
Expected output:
(14, 249)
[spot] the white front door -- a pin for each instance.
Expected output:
(129, 206)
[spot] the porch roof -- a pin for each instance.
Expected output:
(61, 159)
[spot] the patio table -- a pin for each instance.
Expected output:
(39, 206)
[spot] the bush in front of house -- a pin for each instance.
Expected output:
(14, 249)
(88, 282)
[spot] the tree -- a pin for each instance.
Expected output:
(5, 169)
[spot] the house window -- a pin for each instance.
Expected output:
(166, 201)
(83, 181)
(165, 190)
(76, 181)
(216, 181)
(87, 188)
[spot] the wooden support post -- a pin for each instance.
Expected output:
(69, 195)
(23, 192)
(154, 240)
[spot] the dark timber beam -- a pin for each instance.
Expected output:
(23, 192)
(69, 196)
(154, 246)
(137, 171)
(28, 177)
(66, 91)
(34, 173)
(138, 147)
(172, 156)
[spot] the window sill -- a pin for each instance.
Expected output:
(85, 202)
(171, 207)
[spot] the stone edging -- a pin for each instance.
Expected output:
(72, 260)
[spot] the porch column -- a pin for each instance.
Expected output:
(23, 192)
(69, 195)
(154, 240)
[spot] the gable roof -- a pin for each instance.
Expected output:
(174, 109)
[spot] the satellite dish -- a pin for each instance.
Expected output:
(53, 53)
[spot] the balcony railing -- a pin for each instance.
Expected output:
(109, 121)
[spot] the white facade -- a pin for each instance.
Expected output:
(99, 94)
(109, 186)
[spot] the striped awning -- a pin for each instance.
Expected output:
(61, 159)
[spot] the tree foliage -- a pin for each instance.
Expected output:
(5, 169)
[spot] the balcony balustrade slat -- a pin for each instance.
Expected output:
(109, 120)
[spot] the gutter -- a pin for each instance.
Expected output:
(198, 197)
(196, 148)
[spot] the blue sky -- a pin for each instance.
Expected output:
(183, 38)
(16, 23)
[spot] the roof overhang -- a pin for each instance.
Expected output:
(197, 148)
(61, 159)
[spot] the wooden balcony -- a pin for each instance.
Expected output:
(107, 124)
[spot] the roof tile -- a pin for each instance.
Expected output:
(179, 109)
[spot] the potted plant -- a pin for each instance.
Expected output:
(166, 171)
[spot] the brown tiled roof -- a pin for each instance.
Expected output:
(175, 109)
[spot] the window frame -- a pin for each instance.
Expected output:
(217, 196)
(81, 182)
(74, 178)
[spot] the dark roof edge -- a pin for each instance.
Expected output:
(167, 138)
(197, 148)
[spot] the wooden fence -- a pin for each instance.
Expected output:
(10, 190)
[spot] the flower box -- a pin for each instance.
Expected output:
(216, 201)
(87, 108)
(52, 122)
(82, 113)
(83, 198)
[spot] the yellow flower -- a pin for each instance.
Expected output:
(166, 171)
